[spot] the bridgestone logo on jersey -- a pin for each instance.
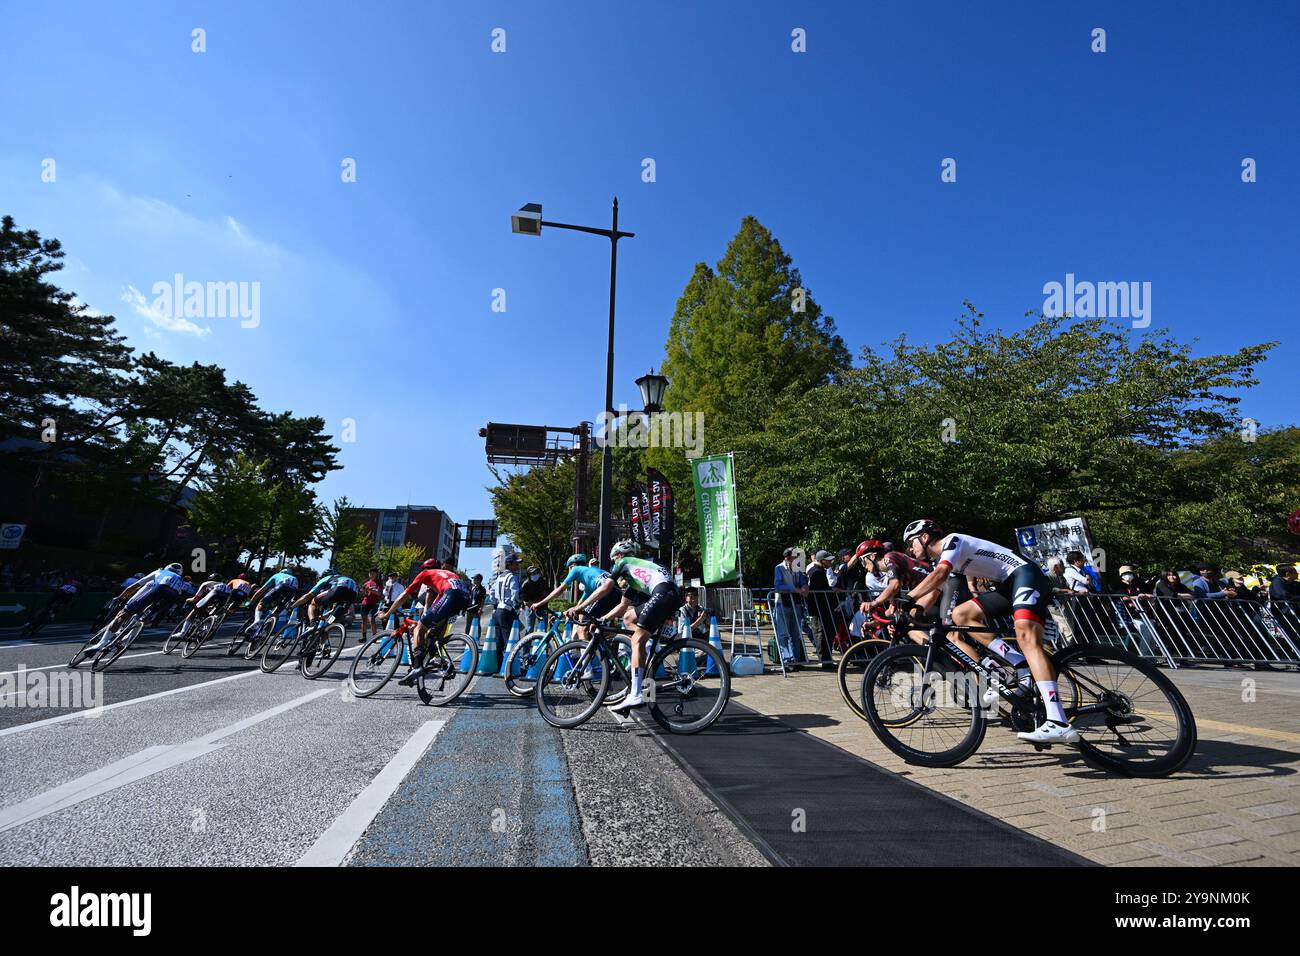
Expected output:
(1008, 559)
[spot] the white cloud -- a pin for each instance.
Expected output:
(159, 316)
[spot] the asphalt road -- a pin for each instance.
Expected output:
(208, 761)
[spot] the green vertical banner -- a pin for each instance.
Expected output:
(715, 499)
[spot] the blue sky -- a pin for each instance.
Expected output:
(376, 295)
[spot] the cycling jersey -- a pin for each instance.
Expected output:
(439, 580)
(240, 586)
(641, 575)
(590, 578)
(908, 572)
(335, 583)
(164, 578)
(977, 558)
(281, 579)
(371, 592)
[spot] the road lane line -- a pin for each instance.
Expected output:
(337, 841)
(50, 667)
(94, 712)
(137, 766)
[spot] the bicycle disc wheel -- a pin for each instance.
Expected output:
(563, 697)
(1130, 717)
(854, 662)
(931, 719)
(329, 645)
(691, 685)
(198, 635)
(280, 647)
(526, 659)
(449, 667)
(104, 659)
(375, 664)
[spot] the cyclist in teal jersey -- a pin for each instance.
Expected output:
(662, 600)
(589, 578)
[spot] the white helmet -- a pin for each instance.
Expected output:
(919, 527)
(622, 549)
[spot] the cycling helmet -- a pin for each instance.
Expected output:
(623, 549)
(432, 564)
(575, 559)
(243, 576)
(174, 568)
(871, 544)
(919, 527)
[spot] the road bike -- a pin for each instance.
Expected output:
(180, 634)
(209, 625)
(120, 639)
(251, 635)
(42, 617)
(880, 637)
(449, 662)
(525, 659)
(687, 682)
(925, 702)
(318, 644)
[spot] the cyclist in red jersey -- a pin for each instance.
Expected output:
(899, 572)
(451, 597)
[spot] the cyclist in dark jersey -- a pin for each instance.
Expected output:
(900, 573)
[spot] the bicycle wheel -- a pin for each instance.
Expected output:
(329, 645)
(125, 638)
(84, 651)
(525, 659)
(179, 633)
(449, 667)
(691, 685)
(620, 670)
(375, 664)
(256, 640)
(931, 719)
(563, 697)
(198, 634)
(1130, 717)
(855, 660)
(280, 646)
(237, 638)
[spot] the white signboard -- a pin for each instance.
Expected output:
(11, 535)
(1054, 539)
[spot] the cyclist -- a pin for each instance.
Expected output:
(589, 578)
(661, 600)
(1019, 587)
(899, 572)
(63, 595)
(278, 589)
(162, 589)
(209, 596)
(450, 595)
(333, 590)
(241, 589)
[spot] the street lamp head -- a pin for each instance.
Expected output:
(652, 388)
(528, 220)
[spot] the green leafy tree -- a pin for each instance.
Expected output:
(231, 508)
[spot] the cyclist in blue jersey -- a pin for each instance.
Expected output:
(162, 587)
(279, 589)
(589, 578)
(332, 590)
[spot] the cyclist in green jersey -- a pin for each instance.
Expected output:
(661, 600)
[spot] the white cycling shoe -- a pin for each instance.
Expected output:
(1050, 732)
(991, 695)
(628, 702)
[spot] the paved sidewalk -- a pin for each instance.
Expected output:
(1237, 802)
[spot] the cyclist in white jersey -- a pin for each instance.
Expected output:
(1022, 589)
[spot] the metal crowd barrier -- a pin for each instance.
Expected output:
(1172, 630)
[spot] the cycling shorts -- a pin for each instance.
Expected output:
(280, 594)
(663, 602)
(340, 597)
(446, 606)
(1026, 594)
(149, 595)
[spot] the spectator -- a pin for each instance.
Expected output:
(825, 609)
(533, 589)
(505, 595)
(391, 590)
(694, 616)
(477, 595)
(785, 594)
(1284, 587)
(1171, 585)
(1056, 574)
(1076, 578)
(372, 591)
(1209, 587)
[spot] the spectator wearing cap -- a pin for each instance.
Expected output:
(533, 589)
(786, 592)
(825, 611)
(505, 595)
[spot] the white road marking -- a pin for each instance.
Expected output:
(146, 763)
(94, 712)
(50, 667)
(335, 843)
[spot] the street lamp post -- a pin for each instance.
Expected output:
(529, 222)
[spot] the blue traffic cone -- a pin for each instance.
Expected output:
(474, 634)
(489, 659)
(515, 635)
(716, 640)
